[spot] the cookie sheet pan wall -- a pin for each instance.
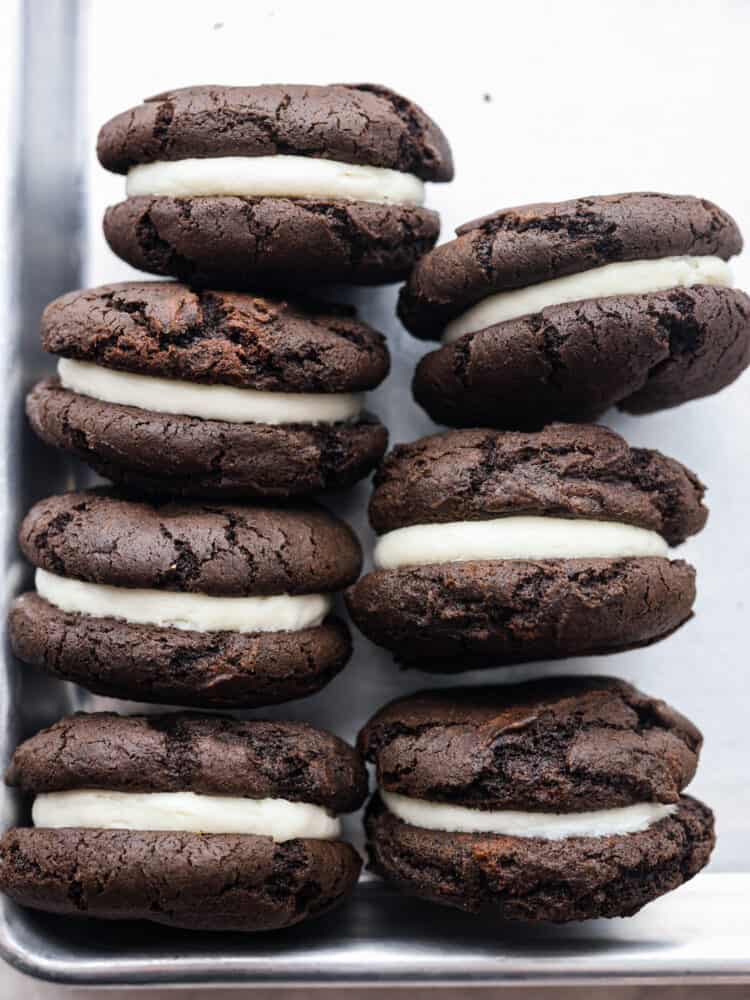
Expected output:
(541, 101)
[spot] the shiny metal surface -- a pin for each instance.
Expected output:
(81, 64)
(696, 935)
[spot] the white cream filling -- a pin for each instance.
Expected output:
(106, 810)
(274, 177)
(521, 537)
(209, 402)
(630, 277)
(192, 612)
(515, 823)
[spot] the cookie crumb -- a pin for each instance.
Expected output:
(487, 98)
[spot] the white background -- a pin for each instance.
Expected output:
(541, 101)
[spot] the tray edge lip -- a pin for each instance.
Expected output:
(135, 974)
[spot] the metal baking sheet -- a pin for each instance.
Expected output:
(541, 101)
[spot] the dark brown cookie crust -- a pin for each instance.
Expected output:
(564, 470)
(172, 666)
(205, 458)
(201, 882)
(228, 549)
(462, 616)
(522, 246)
(562, 744)
(529, 879)
(356, 123)
(210, 754)
(574, 361)
(170, 331)
(227, 242)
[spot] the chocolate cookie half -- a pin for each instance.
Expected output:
(241, 186)
(206, 823)
(554, 800)
(186, 604)
(213, 394)
(559, 311)
(496, 548)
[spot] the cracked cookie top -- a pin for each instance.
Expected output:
(516, 247)
(221, 549)
(354, 123)
(168, 330)
(565, 470)
(562, 744)
(190, 752)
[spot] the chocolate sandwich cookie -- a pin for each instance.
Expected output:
(214, 394)
(558, 311)
(201, 822)
(241, 186)
(208, 605)
(553, 800)
(501, 547)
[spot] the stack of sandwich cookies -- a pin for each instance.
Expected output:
(210, 393)
(245, 186)
(186, 604)
(558, 311)
(199, 822)
(555, 800)
(500, 547)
